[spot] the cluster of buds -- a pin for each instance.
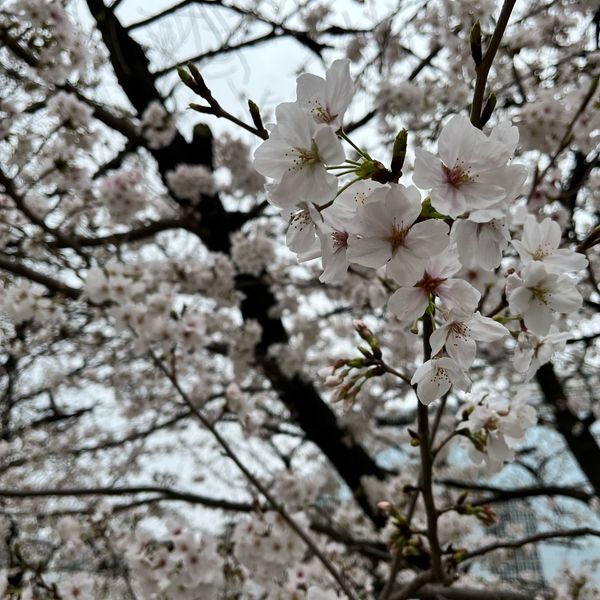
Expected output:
(375, 170)
(348, 375)
(486, 514)
(403, 540)
(194, 80)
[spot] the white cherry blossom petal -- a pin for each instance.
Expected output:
(408, 303)
(458, 294)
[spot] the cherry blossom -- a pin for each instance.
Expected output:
(480, 244)
(327, 99)
(498, 424)
(295, 156)
(334, 234)
(436, 376)
(160, 342)
(234, 155)
(532, 351)
(540, 242)
(79, 587)
(73, 113)
(302, 231)
(461, 332)
(538, 295)
(336, 225)
(157, 126)
(386, 234)
(409, 303)
(471, 172)
(191, 182)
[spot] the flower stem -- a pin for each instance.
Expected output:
(343, 189)
(334, 167)
(364, 154)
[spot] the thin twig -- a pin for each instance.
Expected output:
(255, 481)
(165, 493)
(532, 539)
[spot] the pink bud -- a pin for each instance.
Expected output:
(325, 372)
(332, 381)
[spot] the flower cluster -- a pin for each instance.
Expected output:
(59, 45)
(191, 182)
(71, 112)
(234, 155)
(122, 193)
(355, 214)
(266, 547)
(495, 425)
(157, 126)
(180, 566)
(543, 289)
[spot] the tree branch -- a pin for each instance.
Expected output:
(577, 434)
(54, 285)
(483, 69)
(255, 481)
(164, 492)
(501, 494)
(532, 539)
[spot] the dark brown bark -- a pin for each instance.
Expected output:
(576, 432)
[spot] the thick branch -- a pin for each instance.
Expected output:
(577, 434)
(133, 235)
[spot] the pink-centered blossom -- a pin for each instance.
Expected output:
(540, 242)
(295, 157)
(336, 227)
(386, 234)
(471, 171)
(537, 295)
(436, 376)
(460, 334)
(334, 234)
(301, 236)
(532, 351)
(500, 423)
(409, 303)
(327, 99)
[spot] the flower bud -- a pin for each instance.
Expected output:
(399, 153)
(475, 40)
(325, 372)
